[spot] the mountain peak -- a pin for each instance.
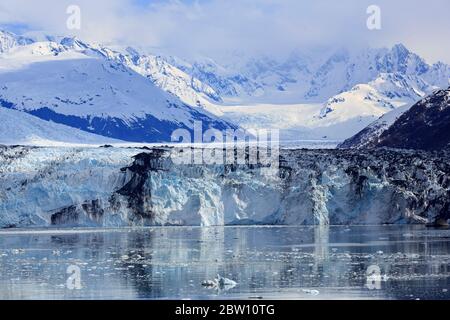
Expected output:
(73, 43)
(401, 59)
(400, 48)
(132, 51)
(9, 40)
(6, 33)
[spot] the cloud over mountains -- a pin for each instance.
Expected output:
(210, 27)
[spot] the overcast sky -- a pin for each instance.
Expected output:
(190, 27)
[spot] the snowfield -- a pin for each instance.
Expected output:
(19, 128)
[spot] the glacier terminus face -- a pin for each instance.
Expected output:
(113, 187)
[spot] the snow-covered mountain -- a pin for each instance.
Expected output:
(243, 79)
(74, 84)
(315, 94)
(424, 126)
(9, 40)
(380, 96)
(341, 116)
(310, 76)
(164, 75)
(132, 96)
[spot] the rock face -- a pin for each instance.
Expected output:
(136, 187)
(369, 136)
(424, 126)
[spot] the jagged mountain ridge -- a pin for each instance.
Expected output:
(355, 88)
(166, 76)
(9, 40)
(310, 77)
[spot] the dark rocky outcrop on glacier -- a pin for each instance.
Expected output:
(136, 187)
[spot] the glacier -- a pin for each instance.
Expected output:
(116, 187)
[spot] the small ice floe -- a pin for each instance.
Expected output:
(408, 235)
(220, 283)
(311, 292)
(347, 255)
(225, 282)
(413, 255)
(56, 253)
(209, 283)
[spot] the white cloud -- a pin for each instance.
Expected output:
(213, 26)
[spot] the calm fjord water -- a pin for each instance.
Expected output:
(266, 262)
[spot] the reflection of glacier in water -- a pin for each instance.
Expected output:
(267, 262)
